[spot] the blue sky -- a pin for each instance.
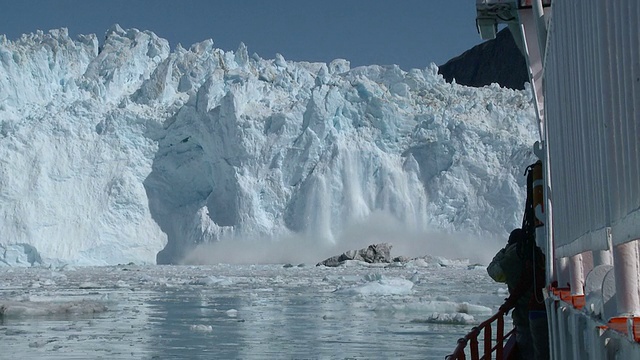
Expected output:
(410, 33)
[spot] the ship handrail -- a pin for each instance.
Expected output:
(488, 347)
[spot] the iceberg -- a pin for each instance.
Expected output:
(128, 151)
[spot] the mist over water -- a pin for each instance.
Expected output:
(377, 228)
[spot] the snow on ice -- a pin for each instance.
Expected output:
(126, 151)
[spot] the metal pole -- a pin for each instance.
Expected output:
(577, 275)
(500, 337)
(487, 342)
(626, 262)
(604, 257)
(563, 272)
(541, 26)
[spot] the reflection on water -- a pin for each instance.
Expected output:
(175, 317)
(237, 312)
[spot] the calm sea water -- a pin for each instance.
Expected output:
(241, 311)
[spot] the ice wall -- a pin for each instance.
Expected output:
(127, 151)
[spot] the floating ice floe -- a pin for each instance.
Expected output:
(201, 328)
(89, 285)
(432, 307)
(452, 262)
(38, 308)
(436, 261)
(438, 312)
(502, 292)
(394, 286)
(446, 318)
(212, 280)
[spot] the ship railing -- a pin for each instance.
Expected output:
(579, 331)
(501, 348)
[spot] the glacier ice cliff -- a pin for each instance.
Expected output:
(128, 151)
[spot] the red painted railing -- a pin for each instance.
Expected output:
(504, 343)
(625, 325)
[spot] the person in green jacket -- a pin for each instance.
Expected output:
(507, 267)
